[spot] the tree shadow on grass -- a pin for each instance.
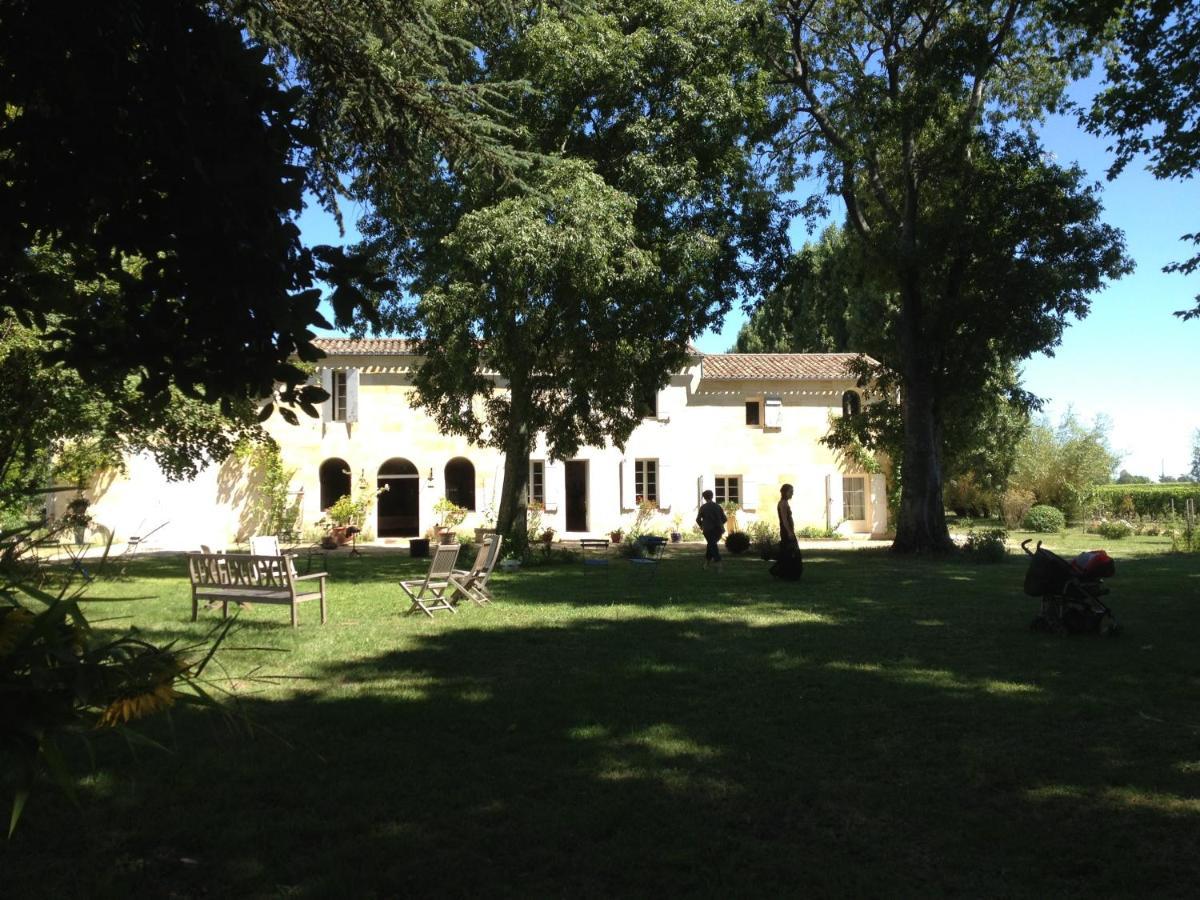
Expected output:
(845, 749)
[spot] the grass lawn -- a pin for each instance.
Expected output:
(887, 726)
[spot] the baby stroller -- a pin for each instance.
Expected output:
(1070, 591)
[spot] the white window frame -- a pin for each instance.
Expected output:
(536, 490)
(338, 395)
(645, 476)
(721, 489)
(849, 492)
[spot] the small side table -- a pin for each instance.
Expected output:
(600, 546)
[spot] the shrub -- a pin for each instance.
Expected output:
(987, 545)
(737, 542)
(763, 538)
(1015, 505)
(1157, 500)
(1044, 519)
(818, 533)
(1114, 530)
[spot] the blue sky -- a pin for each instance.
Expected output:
(1128, 359)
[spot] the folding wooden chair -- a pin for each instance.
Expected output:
(429, 594)
(267, 545)
(472, 583)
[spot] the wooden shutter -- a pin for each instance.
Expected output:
(833, 499)
(773, 412)
(878, 512)
(665, 488)
(749, 493)
(352, 395)
(327, 386)
(627, 495)
(553, 481)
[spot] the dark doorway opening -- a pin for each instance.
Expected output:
(576, 494)
(398, 508)
(335, 482)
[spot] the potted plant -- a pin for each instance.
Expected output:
(731, 512)
(450, 515)
(676, 524)
(78, 518)
(489, 524)
(547, 538)
(616, 535)
(340, 517)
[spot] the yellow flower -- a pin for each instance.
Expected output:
(126, 709)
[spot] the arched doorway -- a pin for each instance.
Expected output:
(460, 482)
(335, 481)
(398, 508)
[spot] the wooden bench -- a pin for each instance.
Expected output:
(259, 579)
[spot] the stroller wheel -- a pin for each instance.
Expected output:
(1109, 626)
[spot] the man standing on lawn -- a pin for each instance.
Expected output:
(711, 521)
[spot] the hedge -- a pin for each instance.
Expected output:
(1148, 499)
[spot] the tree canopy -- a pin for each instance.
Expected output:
(654, 120)
(1151, 92)
(147, 187)
(918, 116)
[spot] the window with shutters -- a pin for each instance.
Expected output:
(728, 489)
(338, 392)
(854, 498)
(537, 481)
(645, 480)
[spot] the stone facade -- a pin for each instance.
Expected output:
(739, 424)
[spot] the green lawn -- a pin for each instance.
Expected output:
(885, 727)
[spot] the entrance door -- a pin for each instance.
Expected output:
(576, 494)
(397, 507)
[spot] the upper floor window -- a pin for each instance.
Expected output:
(728, 489)
(645, 480)
(537, 481)
(753, 412)
(851, 404)
(647, 406)
(338, 395)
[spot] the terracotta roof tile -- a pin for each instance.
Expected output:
(365, 346)
(784, 366)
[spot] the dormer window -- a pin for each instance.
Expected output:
(851, 404)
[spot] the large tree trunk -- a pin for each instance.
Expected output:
(921, 520)
(511, 519)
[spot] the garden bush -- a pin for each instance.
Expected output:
(764, 538)
(1155, 500)
(737, 542)
(987, 545)
(817, 533)
(1015, 505)
(1114, 530)
(1044, 519)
